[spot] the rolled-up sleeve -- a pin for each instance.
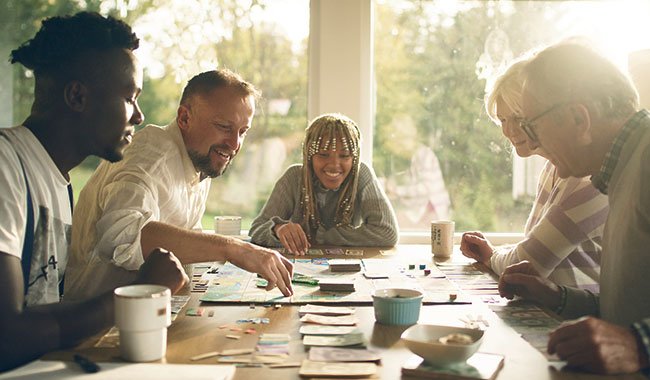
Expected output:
(129, 203)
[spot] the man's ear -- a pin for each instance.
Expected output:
(582, 123)
(183, 117)
(75, 95)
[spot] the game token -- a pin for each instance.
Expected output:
(422, 266)
(411, 266)
(427, 272)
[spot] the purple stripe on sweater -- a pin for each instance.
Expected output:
(565, 225)
(537, 251)
(580, 196)
(584, 256)
(542, 197)
(594, 221)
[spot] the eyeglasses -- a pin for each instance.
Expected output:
(529, 125)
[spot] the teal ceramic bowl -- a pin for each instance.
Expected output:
(396, 306)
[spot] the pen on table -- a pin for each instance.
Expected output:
(86, 364)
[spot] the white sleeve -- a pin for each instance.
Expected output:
(13, 201)
(128, 204)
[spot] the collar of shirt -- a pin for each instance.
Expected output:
(192, 176)
(602, 178)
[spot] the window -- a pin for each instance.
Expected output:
(432, 59)
(180, 38)
(411, 73)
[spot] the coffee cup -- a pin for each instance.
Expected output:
(142, 315)
(442, 238)
(227, 225)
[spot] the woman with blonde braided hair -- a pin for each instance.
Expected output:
(330, 199)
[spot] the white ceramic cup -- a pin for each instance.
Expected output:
(142, 315)
(227, 225)
(442, 238)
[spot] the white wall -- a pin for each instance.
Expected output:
(341, 75)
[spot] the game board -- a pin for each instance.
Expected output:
(234, 285)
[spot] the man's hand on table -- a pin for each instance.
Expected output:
(269, 264)
(594, 345)
(161, 267)
(476, 246)
(523, 280)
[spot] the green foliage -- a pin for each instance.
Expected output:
(426, 65)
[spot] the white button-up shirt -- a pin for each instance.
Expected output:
(156, 181)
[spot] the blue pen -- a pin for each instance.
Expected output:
(86, 364)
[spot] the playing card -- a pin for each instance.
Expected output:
(334, 354)
(336, 285)
(310, 369)
(325, 310)
(345, 265)
(354, 252)
(333, 340)
(345, 320)
(326, 330)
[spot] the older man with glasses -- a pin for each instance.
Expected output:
(583, 111)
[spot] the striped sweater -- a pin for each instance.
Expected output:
(563, 233)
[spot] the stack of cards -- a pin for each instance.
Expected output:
(273, 344)
(326, 330)
(325, 310)
(335, 354)
(335, 369)
(345, 265)
(336, 285)
(337, 320)
(336, 328)
(352, 339)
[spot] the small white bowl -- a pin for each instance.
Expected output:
(423, 341)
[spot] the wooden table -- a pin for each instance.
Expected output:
(189, 336)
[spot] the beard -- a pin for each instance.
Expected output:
(203, 164)
(113, 154)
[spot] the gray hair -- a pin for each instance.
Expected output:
(572, 71)
(507, 86)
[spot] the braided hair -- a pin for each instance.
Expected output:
(323, 133)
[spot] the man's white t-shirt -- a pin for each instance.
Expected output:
(52, 211)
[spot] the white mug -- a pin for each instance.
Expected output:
(442, 238)
(142, 315)
(227, 225)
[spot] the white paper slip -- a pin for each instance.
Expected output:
(326, 330)
(325, 310)
(344, 320)
(45, 370)
(324, 369)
